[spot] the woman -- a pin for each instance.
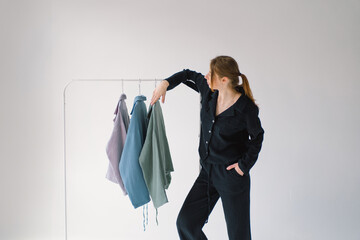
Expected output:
(230, 141)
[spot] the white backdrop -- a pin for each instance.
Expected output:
(302, 61)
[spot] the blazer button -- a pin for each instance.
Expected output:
(206, 142)
(213, 121)
(209, 131)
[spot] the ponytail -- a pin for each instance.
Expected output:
(246, 87)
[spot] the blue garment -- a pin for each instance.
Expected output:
(129, 166)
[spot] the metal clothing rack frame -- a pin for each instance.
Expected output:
(64, 102)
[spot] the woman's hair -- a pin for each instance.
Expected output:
(225, 66)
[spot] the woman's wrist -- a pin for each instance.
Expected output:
(166, 82)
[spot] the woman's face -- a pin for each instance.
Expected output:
(215, 82)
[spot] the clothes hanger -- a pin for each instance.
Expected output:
(122, 85)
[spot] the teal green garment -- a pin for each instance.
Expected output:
(155, 159)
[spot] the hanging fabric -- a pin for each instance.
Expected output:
(130, 169)
(140, 146)
(115, 145)
(155, 158)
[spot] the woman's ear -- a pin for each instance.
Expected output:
(224, 79)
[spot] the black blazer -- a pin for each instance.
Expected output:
(235, 135)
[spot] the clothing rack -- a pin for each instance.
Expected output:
(64, 102)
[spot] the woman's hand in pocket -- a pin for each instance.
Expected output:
(236, 166)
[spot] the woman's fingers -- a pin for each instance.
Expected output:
(157, 93)
(153, 98)
(239, 170)
(231, 166)
(236, 166)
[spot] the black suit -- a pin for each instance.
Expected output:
(234, 136)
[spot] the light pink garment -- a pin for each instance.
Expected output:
(116, 142)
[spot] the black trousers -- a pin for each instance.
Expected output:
(215, 182)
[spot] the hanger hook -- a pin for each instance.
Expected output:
(139, 86)
(122, 85)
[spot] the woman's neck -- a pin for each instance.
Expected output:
(227, 96)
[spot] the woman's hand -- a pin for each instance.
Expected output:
(160, 91)
(236, 166)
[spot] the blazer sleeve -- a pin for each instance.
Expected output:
(256, 133)
(192, 79)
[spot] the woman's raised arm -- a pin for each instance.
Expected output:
(190, 78)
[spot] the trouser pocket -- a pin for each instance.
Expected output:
(232, 172)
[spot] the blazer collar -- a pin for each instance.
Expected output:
(137, 98)
(122, 98)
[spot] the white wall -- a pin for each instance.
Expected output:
(301, 58)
